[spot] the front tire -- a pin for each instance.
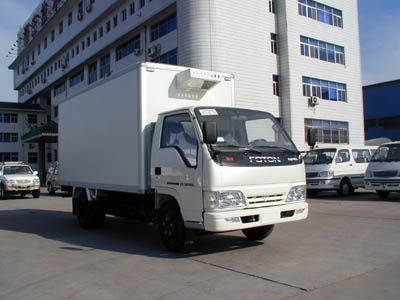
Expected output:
(36, 194)
(383, 194)
(171, 227)
(258, 233)
(90, 214)
(3, 193)
(345, 188)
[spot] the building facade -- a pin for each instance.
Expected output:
(282, 53)
(16, 119)
(382, 110)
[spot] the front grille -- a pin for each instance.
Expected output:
(312, 174)
(385, 174)
(23, 181)
(266, 199)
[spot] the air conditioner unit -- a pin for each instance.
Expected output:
(89, 7)
(64, 63)
(137, 51)
(313, 101)
(154, 50)
(80, 16)
(33, 62)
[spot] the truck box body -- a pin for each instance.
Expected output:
(105, 132)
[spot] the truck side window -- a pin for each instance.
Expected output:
(343, 156)
(361, 156)
(178, 132)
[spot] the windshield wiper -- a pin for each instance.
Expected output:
(279, 147)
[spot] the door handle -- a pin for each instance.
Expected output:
(157, 171)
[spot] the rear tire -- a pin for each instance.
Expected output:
(171, 227)
(89, 214)
(345, 188)
(258, 233)
(36, 194)
(383, 194)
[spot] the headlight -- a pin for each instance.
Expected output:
(36, 181)
(297, 193)
(10, 181)
(225, 199)
(326, 174)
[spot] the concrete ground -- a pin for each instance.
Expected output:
(346, 249)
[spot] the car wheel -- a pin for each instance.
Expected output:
(345, 188)
(258, 233)
(3, 193)
(171, 227)
(383, 194)
(36, 194)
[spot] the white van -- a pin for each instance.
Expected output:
(337, 168)
(383, 172)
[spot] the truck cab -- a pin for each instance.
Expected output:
(226, 169)
(383, 172)
(338, 168)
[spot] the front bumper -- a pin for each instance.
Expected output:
(10, 188)
(255, 217)
(323, 184)
(383, 184)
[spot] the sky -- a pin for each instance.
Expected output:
(379, 37)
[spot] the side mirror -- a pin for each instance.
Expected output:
(35, 173)
(312, 137)
(210, 132)
(338, 160)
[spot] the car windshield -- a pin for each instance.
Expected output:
(242, 129)
(319, 157)
(17, 170)
(387, 153)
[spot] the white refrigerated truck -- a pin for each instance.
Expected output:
(165, 144)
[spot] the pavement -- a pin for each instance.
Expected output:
(348, 248)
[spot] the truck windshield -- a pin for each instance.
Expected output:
(17, 170)
(242, 130)
(387, 153)
(320, 157)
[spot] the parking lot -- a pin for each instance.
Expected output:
(346, 249)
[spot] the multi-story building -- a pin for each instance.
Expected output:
(17, 119)
(382, 110)
(282, 53)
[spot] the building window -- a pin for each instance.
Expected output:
(327, 90)
(38, 50)
(322, 50)
(115, 21)
(8, 118)
(142, 3)
(83, 45)
(127, 48)
(108, 26)
(70, 18)
(101, 32)
(32, 119)
(59, 89)
(72, 52)
(123, 13)
(271, 6)
(76, 79)
(52, 35)
(320, 12)
(32, 158)
(274, 43)
(170, 58)
(105, 66)
(163, 27)
(80, 9)
(8, 137)
(94, 36)
(275, 85)
(328, 132)
(77, 49)
(88, 41)
(132, 8)
(8, 156)
(60, 27)
(92, 72)
(45, 43)
(49, 157)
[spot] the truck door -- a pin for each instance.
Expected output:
(343, 164)
(177, 164)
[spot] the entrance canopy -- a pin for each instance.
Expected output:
(47, 134)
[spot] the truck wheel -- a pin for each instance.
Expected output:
(345, 188)
(36, 194)
(383, 194)
(171, 227)
(50, 189)
(90, 214)
(258, 233)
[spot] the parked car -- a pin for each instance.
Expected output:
(383, 172)
(338, 168)
(52, 182)
(18, 178)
